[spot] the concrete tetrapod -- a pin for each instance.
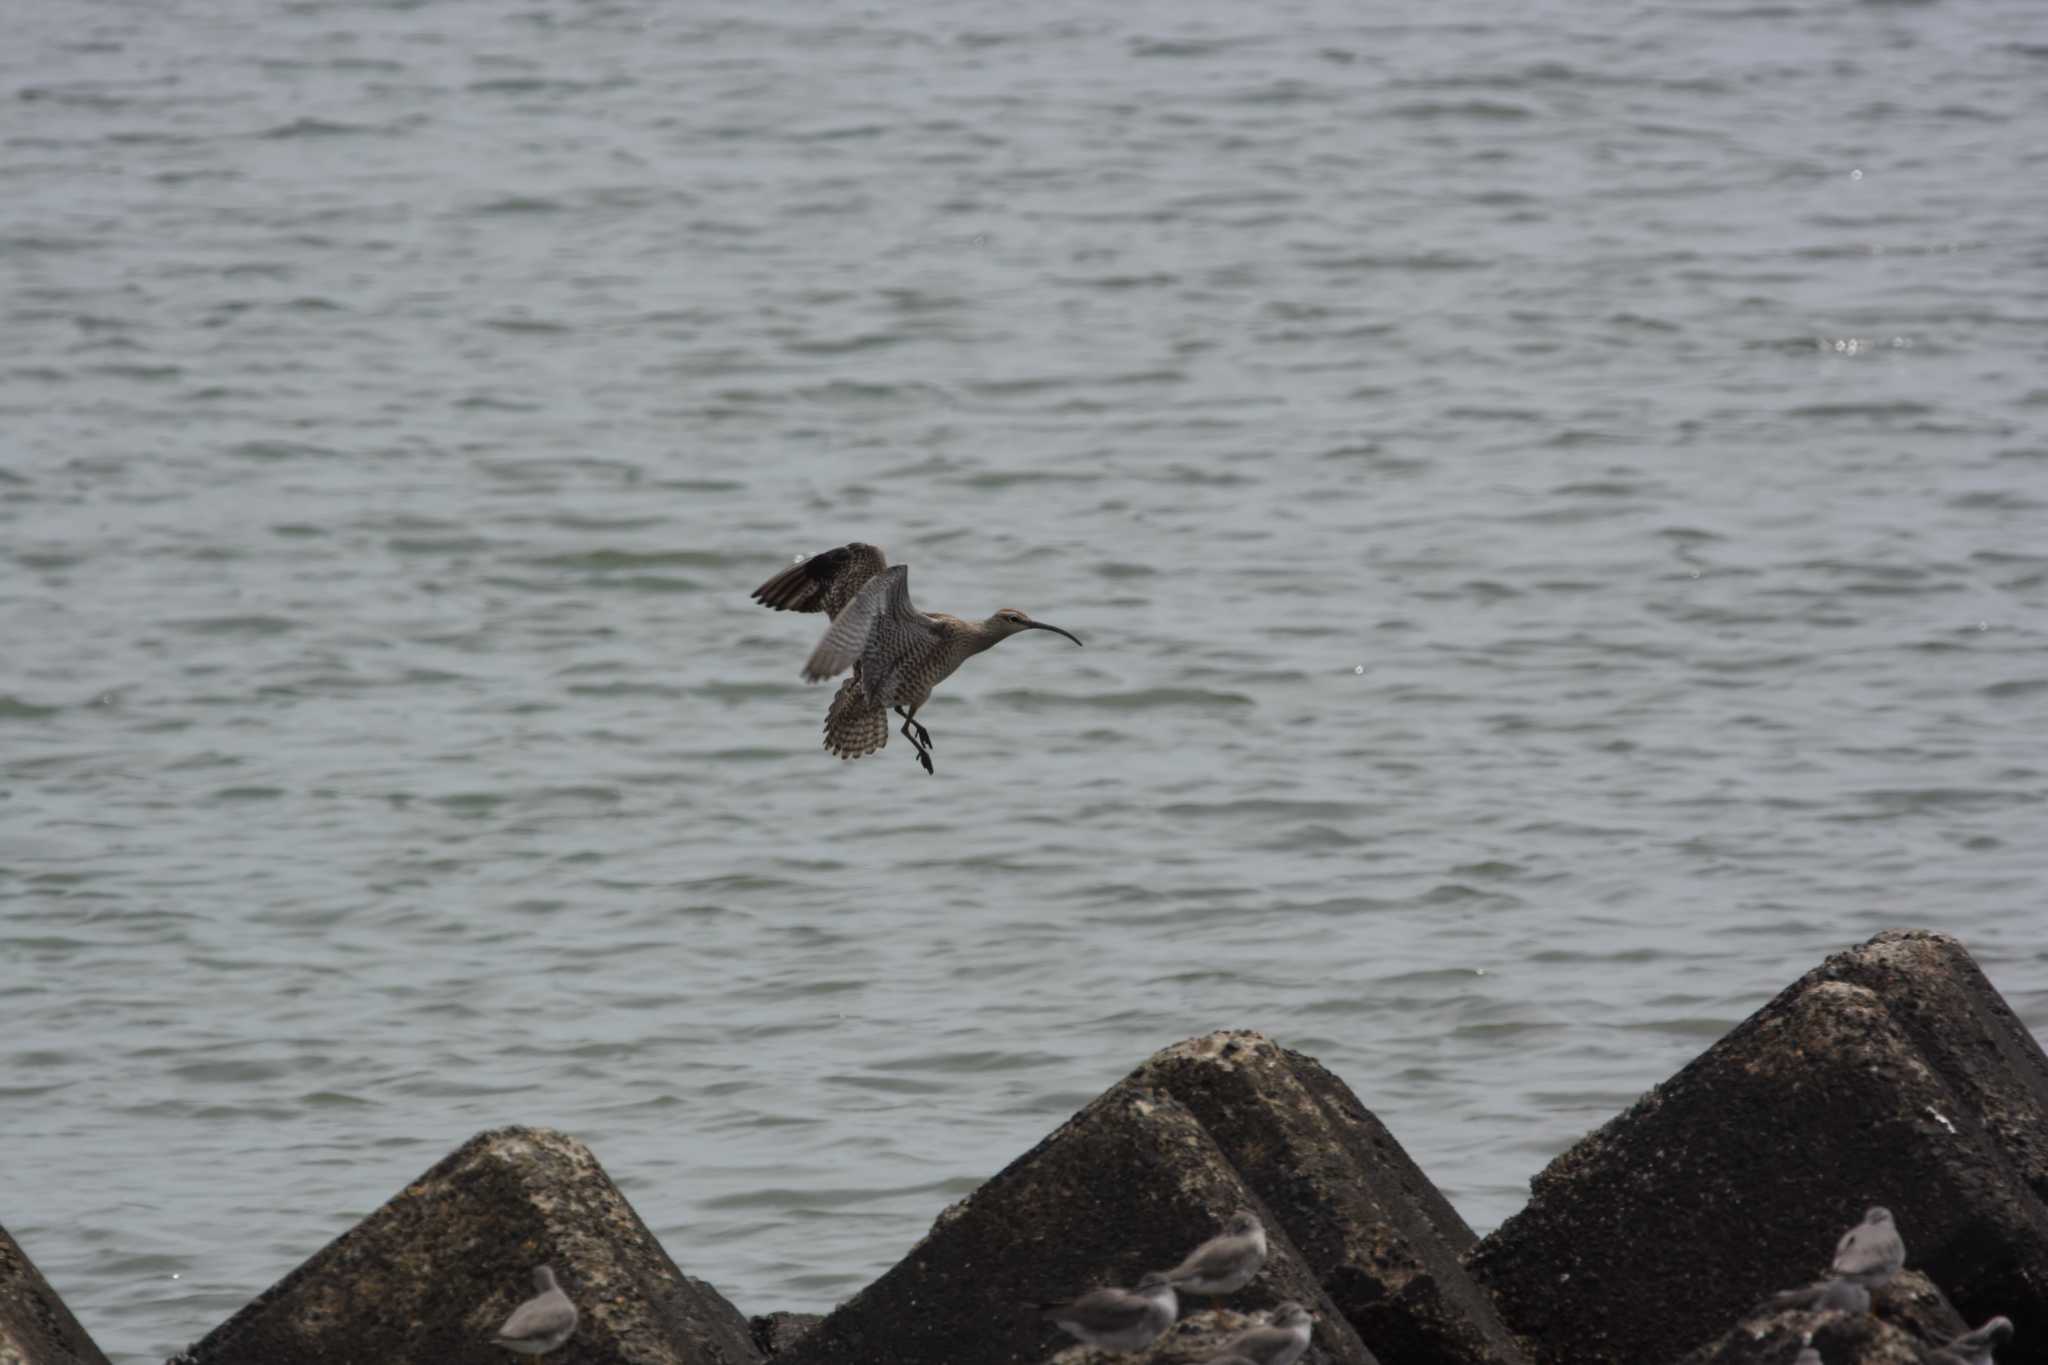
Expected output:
(1865, 1082)
(1128, 1185)
(1379, 1235)
(435, 1271)
(35, 1326)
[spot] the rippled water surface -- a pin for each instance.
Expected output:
(1553, 494)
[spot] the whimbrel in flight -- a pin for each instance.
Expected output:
(898, 654)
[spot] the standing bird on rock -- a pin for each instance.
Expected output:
(1825, 1296)
(1225, 1264)
(1282, 1342)
(543, 1322)
(1118, 1319)
(1870, 1253)
(898, 654)
(1975, 1348)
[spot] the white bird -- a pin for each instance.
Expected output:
(543, 1322)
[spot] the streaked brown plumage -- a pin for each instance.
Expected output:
(897, 653)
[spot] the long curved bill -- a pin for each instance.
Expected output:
(1040, 625)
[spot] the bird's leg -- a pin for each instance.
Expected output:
(924, 736)
(923, 754)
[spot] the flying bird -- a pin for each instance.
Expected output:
(898, 654)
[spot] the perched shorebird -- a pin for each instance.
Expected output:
(1282, 1342)
(1870, 1253)
(1975, 1347)
(1826, 1296)
(543, 1322)
(1807, 1355)
(898, 654)
(1225, 1264)
(1118, 1319)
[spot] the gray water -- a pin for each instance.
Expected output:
(1553, 495)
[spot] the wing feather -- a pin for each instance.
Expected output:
(880, 628)
(825, 582)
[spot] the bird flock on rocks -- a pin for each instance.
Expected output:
(1866, 1258)
(1128, 1320)
(1132, 1319)
(897, 653)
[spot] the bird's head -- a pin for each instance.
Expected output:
(1009, 621)
(1153, 1282)
(1877, 1213)
(1243, 1223)
(1292, 1315)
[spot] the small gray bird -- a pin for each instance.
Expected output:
(898, 654)
(1871, 1252)
(543, 1322)
(1118, 1319)
(1807, 1355)
(1282, 1342)
(1976, 1347)
(1826, 1296)
(1225, 1264)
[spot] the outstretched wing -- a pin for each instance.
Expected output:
(880, 628)
(825, 582)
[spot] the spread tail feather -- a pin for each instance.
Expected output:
(855, 726)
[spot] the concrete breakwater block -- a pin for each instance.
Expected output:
(1908, 1318)
(35, 1326)
(1862, 1083)
(430, 1275)
(775, 1333)
(1381, 1238)
(1128, 1185)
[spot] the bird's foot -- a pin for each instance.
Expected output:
(926, 759)
(924, 736)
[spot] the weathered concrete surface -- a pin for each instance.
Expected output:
(1934, 990)
(1841, 1339)
(1382, 1239)
(1908, 1318)
(1735, 1177)
(1194, 1339)
(775, 1333)
(430, 1275)
(1128, 1185)
(35, 1326)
